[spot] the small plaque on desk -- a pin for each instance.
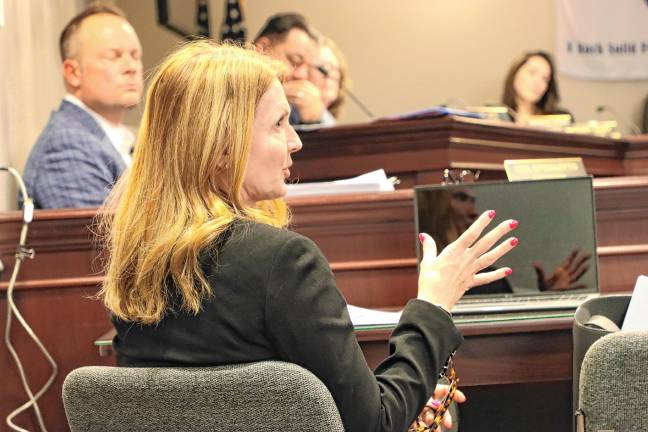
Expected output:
(541, 169)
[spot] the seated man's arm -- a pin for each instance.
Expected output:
(305, 98)
(75, 173)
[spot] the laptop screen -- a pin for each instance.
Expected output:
(557, 232)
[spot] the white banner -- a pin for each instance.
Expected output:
(602, 39)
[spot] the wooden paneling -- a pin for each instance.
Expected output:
(368, 239)
(418, 150)
(67, 320)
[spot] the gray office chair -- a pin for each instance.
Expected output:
(587, 329)
(265, 396)
(614, 384)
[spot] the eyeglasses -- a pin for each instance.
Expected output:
(450, 375)
(331, 73)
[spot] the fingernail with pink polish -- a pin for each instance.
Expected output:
(508, 272)
(513, 224)
(514, 241)
(421, 238)
(491, 213)
(436, 404)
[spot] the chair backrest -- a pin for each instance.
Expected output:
(613, 307)
(263, 396)
(614, 383)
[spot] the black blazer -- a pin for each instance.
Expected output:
(274, 297)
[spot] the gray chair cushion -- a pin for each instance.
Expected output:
(614, 383)
(612, 306)
(264, 396)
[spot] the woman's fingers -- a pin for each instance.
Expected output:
(489, 258)
(459, 396)
(447, 420)
(579, 262)
(439, 391)
(428, 417)
(471, 235)
(486, 278)
(429, 246)
(486, 243)
(579, 272)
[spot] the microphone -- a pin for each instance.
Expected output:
(354, 98)
(622, 118)
(23, 252)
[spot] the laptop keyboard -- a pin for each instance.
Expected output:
(468, 300)
(511, 304)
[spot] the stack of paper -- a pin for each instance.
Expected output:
(375, 181)
(636, 317)
(361, 317)
(433, 112)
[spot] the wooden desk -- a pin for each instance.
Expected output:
(527, 363)
(366, 238)
(418, 150)
(494, 352)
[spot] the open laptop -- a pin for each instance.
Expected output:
(554, 265)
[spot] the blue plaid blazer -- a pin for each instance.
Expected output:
(73, 163)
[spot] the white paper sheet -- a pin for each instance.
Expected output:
(362, 317)
(637, 315)
(374, 181)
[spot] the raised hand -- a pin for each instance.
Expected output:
(443, 280)
(566, 276)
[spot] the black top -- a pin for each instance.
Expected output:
(274, 297)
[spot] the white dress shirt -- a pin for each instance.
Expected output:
(120, 136)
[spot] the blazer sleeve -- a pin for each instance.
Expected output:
(308, 322)
(74, 172)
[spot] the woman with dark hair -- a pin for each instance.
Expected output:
(531, 87)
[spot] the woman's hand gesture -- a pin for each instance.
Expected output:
(444, 279)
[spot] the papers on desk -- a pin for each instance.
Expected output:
(637, 315)
(371, 318)
(375, 181)
(433, 112)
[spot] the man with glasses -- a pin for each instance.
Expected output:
(288, 38)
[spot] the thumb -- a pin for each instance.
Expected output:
(540, 274)
(429, 246)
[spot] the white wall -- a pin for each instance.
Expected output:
(412, 54)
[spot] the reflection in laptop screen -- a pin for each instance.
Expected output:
(556, 256)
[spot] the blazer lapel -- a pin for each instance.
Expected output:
(90, 124)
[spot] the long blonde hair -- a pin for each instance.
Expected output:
(183, 188)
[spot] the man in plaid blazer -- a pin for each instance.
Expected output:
(85, 147)
(73, 163)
